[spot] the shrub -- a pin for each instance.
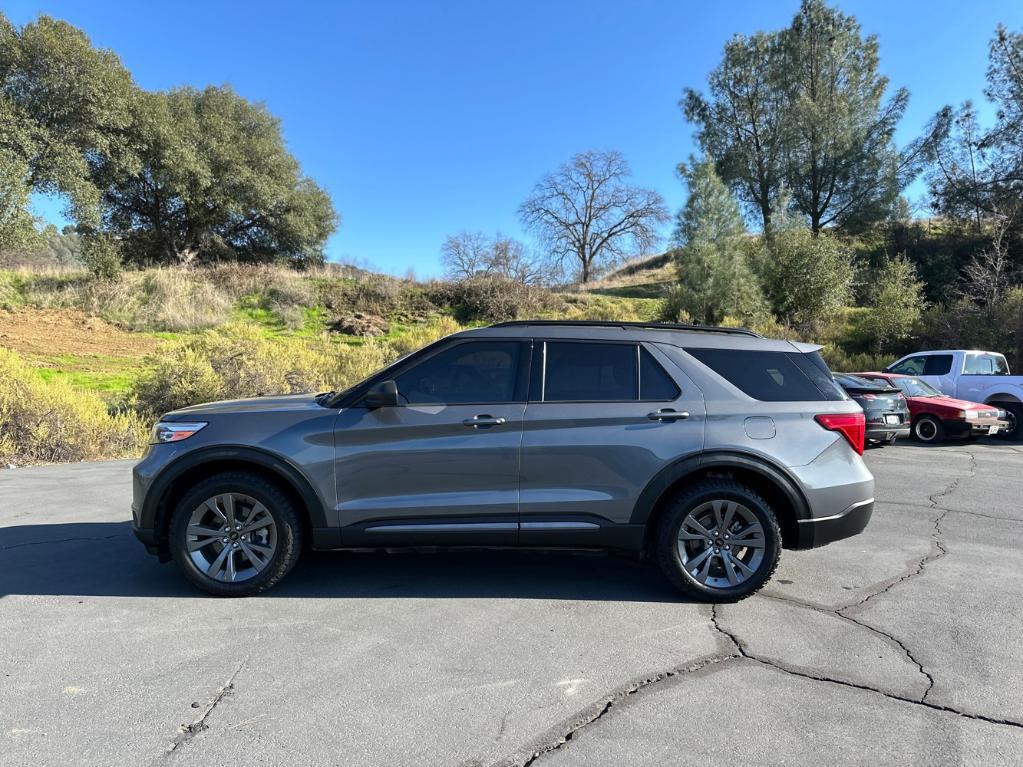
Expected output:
(236, 361)
(51, 421)
(101, 255)
(488, 298)
(807, 279)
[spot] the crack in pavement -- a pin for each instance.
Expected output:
(938, 550)
(190, 730)
(873, 629)
(595, 712)
(744, 653)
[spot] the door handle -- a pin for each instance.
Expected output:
(483, 420)
(667, 414)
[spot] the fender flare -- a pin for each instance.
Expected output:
(264, 459)
(723, 459)
(1002, 396)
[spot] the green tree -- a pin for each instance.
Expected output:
(215, 182)
(740, 122)
(63, 106)
(715, 278)
(804, 108)
(896, 302)
(806, 278)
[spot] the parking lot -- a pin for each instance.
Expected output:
(901, 645)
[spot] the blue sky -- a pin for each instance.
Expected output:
(425, 118)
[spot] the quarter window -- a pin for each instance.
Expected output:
(654, 383)
(473, 372)
(773, 376)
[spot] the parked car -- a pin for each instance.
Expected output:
(707, 449)
(935, 416)
(971, 375)
(883, 405)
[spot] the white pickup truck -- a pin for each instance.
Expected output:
(972, 375)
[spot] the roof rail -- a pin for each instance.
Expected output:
(626, 325)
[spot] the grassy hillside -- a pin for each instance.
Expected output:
(152, 340)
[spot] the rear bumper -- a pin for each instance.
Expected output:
(883, 432)
(818, 532)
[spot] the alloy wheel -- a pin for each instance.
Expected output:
(231, 537)
(721, 544)
(926, 430)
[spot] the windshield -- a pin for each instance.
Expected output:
(914, 387)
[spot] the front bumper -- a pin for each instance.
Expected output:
(818, 532)
(980, 428)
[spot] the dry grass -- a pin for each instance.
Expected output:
(52, 422)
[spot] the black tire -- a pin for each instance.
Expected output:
(928, 429)
(666, 539)
(1015, 417)
(282, 509)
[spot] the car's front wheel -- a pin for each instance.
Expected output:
(235, 534)
(1014, 415)
(928, 429)
(718, 541)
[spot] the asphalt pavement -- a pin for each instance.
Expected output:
(901, 645)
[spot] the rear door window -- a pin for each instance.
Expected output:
(937, 365)
(773, 376)
(590, 372)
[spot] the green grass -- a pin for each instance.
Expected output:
(110, 377)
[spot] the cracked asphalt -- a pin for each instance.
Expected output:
(901, 645)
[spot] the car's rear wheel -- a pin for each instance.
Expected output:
(718, 541)
(928, 429)
(235, 534)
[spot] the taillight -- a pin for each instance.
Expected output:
(852, 426)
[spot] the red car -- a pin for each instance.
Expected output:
(935, 416)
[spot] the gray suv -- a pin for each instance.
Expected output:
(705, 449)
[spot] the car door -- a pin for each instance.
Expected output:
(603, 418)
(443, 466)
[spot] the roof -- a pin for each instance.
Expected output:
(698, 336)
(623, 324)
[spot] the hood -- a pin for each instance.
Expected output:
(955, 404)
(275, 403)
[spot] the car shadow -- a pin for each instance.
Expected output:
(104, 559)
(982, 442)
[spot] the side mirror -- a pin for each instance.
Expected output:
(383, 394)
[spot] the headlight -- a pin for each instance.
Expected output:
(970, 415)
(174, 431)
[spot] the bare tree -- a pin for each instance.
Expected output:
(465, 254)
(990, 273)
(585, 211)
(473, 254)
